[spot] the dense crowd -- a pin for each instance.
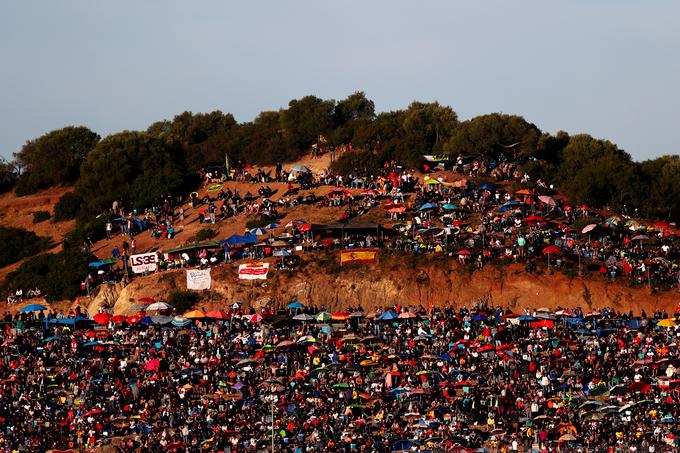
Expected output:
(401, 378)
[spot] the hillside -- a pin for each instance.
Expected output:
(397, 278)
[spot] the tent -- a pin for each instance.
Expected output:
(33, 307)
(100, 263)
(236, 239)
(188, 248)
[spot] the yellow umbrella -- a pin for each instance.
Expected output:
(666, 323)
(193, 314)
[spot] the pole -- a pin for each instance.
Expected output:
(272, 407)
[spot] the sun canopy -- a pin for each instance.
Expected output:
(200, 245)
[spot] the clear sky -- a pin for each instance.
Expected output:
(610, 68)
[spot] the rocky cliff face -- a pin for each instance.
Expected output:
(403, 280)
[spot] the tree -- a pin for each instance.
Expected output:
(8, 175)
(495, 134)
(130, 166)
(306, 119)
(53, 158)
(660, 196)
(428, 126)
(350, 114)
(18, 243)
(597, 172)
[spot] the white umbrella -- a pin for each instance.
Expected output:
(547, 200)
(589, 228)
(157, 306)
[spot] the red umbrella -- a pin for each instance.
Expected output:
(119, 318)
(534, 219)
(552, 250)
(464, 252)
(134, 319)
(102, 318)
(662, 225)
(217, 314)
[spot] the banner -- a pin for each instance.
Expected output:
(198, 279)
(144, 262)
(358, 256)
(253, 271)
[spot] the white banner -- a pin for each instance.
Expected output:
(255, 271)
(144, 262)
(198, 279)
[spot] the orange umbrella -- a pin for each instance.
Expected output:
(193, 314)
(340, 316)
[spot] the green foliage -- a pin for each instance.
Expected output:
(257, 223)
(182, 300)
(357, 162)
(493, 134)
(597, 173)
(67, 207)
(58, 275)
(659, 192)
(86, 227)
(17, 243)
(205, 234)
(40, 216)
(8, 175)
(130, 166)
(306, 119)
(53, 158)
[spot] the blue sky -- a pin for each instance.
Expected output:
(608, 68)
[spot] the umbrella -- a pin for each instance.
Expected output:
(217, 314)
(158, 306)
(102, 318)
(256, 318)
(340, 316)
(547, 200)
(449, 207)
(303, 317)
(407, 315)
(323, 316)
(179, 321)
(427, 206)
(341, 385)
(296, 304)
(589, 228)
(273, 225)
(33, 307)
(640, 237)
(487, 186)
(118, 318)
(194, 314)
(160, 320)
(258, 231)
(552, 250)
(301, 169)
(566, 438)
(464, 252)
(669, 322)
(387, 315)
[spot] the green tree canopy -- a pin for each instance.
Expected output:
(8, 175)
(17, 243)
(53, 158)
(130, 166)
(494, 134)
(306, 119)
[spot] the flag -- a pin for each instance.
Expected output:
(358, 256)
(226, 164)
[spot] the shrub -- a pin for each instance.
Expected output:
(17, 243)
(58, 275)
(40, 216)
(182, 300)
(94, 228)
(257, 223)
(67, 207)
(205, 234)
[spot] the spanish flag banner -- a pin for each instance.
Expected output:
(358, 256)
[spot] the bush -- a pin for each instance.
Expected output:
(17, 243)
(58, 275)
(257, 223)
(94, 228)
(40, 216)
(67, 207)
(205, 234)
(182, 300)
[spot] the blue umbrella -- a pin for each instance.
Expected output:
(449, 207)
(585, 332)
(388, 315)
(479, 317)
(511, 203)
(526, 318)
(487, 186)
(273, 225)
(33, 307)
(258, 231)
(296, 304)
(427, 206)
